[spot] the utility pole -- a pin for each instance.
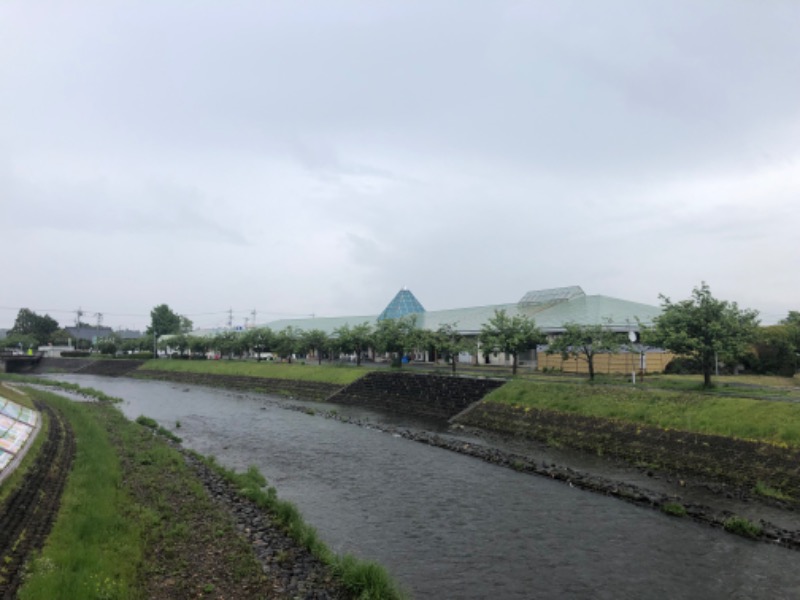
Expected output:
(78, 315)
(254, 317)
(99, 317)
(230, 318)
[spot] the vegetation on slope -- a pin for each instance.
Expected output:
(744, 418)
(338, 375)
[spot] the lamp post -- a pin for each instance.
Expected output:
(155, 340)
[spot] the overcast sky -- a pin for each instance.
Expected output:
(303, 158)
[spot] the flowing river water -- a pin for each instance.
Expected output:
(451, 526)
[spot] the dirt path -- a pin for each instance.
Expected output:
(27, 515)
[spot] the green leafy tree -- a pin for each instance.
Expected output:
(186, 324)
(449, 343)
(287, 342)
(793, 318)
(705, 329)
(314, 340)
(353, 340)
(775, 351)
(229, 343)
(259, 340)
(179, 343)
(163, 321)
(792, 323)
(108, 346)
(585, 342)
(198, 344)
(20, 341)
(510, 335)
(28, 323)
(397, 337)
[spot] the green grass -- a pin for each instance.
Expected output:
(762, 489)
(366, 580)
(339, 375)
(94, 549)
(71, 387)
(743, 527)
(674, 509)
(745, 418)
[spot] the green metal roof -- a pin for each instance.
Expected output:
(550, 309)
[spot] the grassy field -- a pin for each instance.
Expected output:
(745, 418)
(339, 375)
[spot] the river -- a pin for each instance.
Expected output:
(451, 526)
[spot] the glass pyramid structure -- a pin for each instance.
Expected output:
(404, 303)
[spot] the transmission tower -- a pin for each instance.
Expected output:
(99, 317)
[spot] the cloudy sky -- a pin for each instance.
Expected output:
(298, 158)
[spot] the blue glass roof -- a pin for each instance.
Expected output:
(404, 303)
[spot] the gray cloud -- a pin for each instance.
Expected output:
(316, 158)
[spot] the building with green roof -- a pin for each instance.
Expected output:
(550, 308)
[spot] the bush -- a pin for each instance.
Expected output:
(682, 365)
(76, 354)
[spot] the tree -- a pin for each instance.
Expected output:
(585, 341)
(28, 323)
(163, 321)
(314, 340)
(510, 335)
(186, 324)
(20, 341)
(228, 342)
(793, 318)
(353, 340)
(792, 323)
(397, 337)
(258, 340)
(286, 342)
(448, 342)
(705, 329)
(198, 344)
(108, 346)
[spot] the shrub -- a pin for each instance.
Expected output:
(681, 365)
(674, 509)
(743, 527)
(76, 354)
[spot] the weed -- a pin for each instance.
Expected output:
(743, 527)
(674, 509)
(762, 489)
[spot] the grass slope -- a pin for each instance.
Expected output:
(339, 375)
(744, 418)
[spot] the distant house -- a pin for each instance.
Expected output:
(89, 333)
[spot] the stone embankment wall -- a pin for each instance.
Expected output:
(727, 461)
(311, 390)
(408, 393)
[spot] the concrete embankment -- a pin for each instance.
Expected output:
(734, 466)
(410, 393)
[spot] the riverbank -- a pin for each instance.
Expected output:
(747, 486)
(181, 526)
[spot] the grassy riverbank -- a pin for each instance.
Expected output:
(337, 375)
(684, 409)
(136, 522)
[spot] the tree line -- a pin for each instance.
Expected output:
(703, 330)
